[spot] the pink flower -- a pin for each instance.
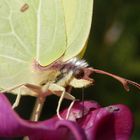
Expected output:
(87, 121)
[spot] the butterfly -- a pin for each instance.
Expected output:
(41, 45)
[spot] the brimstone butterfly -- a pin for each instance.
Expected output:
(38, 42)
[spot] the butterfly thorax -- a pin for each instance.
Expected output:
(61, 73)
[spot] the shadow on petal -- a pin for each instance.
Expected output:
(109, 123)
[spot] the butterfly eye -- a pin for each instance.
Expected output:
(43, 83)
(79, 73)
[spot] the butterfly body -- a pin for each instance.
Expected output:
(59, 73)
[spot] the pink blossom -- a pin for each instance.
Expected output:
(87, 121)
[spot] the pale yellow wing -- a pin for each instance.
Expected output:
(29, 30)
(78, 17)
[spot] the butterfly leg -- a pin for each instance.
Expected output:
(69, 109)
(60, 91)
(34, 88)
(12, 88)
(41, 97)
(18, 97)
(16, 103)
(37, 109)
(60, 102)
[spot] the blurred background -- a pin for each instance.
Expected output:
(114, 46)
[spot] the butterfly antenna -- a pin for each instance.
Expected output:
(123, 81)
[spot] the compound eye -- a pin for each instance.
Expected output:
(79, 73)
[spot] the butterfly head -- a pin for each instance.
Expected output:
(78, 71)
